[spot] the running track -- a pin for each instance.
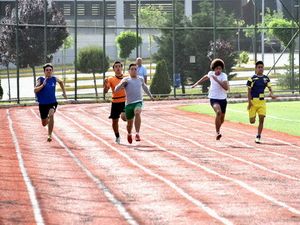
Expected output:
(178, 174)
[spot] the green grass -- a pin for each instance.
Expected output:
(281, 116)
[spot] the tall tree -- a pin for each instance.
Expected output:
(165, 42)
(31, 37)
(126, 42)
(152, 17)
(193, 42)
(6, 51)
(90, 60)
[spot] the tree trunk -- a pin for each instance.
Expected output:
(8, 79)
(124, 68)
(34, 75)
(95, 84)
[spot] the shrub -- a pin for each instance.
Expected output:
(160, 82)
(243, 57)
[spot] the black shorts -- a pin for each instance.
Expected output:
(221, 102)
(116, 110)
(44, 109)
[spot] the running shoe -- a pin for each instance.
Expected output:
(129, 138)
(137, 137)
(118, 140)
(218, 137)
(257, 139)
(49, 139)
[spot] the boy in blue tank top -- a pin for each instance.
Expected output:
(45, 92)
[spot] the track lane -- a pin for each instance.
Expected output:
(151, 159)
(15, 205)
(65, 193)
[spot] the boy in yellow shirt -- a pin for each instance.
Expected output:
(256, 97)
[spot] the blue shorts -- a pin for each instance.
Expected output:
(221, 102)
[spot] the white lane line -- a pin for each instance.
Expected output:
(273, 117)
(30, 188)
(240, 132)
(224, 177)
(172, 185)
(231, 139)
(110, 196)
(225, 154)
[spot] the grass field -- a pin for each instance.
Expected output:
(281, 116)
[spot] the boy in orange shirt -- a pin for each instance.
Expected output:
(118, 98)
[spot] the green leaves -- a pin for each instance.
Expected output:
(90, 60)
(161, 82)
(126, 42)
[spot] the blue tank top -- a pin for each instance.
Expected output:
(47, 94)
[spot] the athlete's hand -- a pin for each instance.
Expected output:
(45, 81)
(273, 96)
(193, 86)
(65, 96)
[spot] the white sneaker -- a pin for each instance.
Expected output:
(118, 140)
(257, 140)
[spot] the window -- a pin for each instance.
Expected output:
(67, 9)
(81, 9)
(111, 9)
(95, 9)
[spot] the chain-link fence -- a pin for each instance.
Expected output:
(181, 36)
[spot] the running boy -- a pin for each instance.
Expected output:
(256, 97)
(45, 92)
(118, 99)
(134, 100)
(217, 92)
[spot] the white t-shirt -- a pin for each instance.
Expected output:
(215, 90)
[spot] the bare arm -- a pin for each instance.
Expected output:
(203, 79)
(106, 86)
(61, 84)
(39, 86)
(271, 92)
(249, 98)
(121, 85)
(223, 84)
(146, 90)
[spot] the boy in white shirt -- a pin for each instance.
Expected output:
(217, 92)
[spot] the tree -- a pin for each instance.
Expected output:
(193, 42)
(152, 16)
(165, 42)
(31, 37)
(68, 42)
(281, 29)
(161, 80)
(5, 49)
(126, 42)
(90, 60)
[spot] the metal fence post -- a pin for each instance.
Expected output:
(17, 52)
(75, 46)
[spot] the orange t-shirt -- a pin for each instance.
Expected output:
(119, 96)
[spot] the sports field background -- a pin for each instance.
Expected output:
(281, 116)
